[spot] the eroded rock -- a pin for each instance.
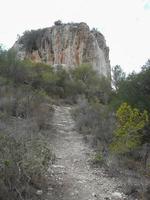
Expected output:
(68, 45)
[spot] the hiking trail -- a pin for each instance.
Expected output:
(77, 179)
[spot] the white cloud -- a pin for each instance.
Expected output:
(125, 24)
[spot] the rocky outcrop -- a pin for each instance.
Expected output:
(65, 44)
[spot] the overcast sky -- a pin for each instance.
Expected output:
(124, 23)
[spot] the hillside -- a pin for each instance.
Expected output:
(65, 133)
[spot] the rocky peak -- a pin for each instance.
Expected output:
(68, 44)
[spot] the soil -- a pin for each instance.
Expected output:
(76, 178)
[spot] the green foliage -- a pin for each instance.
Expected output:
(55, 81)
(3, 55)
(130, 122)
(135, 90)
(117, 76)
(85, 73)
(26, 113)
(87, 81)
(31, 40)
(98, 159)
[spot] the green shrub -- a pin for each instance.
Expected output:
(98, 159)
(130, 122)
(31, 40)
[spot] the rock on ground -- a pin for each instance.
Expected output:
(76, 178)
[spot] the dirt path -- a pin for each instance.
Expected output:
(77, 180)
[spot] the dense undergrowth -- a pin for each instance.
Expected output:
(25, 128)
(25, 153)
(115, 121)
(119, 129)
(27, 93)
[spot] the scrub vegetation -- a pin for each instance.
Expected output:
(114, 120)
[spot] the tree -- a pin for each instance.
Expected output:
(117, 76)
(58, 23)
(90, 83)
(3, 56)
(31, 40)
(134, 90)
(130, 122)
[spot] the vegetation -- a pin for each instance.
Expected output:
(128, 133)
(25, 153)
(25, 115)
(26, 92)
(134, 89)
(117, 76)
(94, 118)
(87, 82)
(115, 117)
(31, 40)
(122, 122)
(24, 162)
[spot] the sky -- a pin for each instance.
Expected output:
(124, 23)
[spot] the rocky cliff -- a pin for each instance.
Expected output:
(65, 44)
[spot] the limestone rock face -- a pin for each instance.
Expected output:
(66, 44)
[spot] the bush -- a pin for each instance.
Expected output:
(129, 123)
(23, 162)
(31, 40)
(88, 82)
(95, 119)
(25, 153)
(98, 159)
